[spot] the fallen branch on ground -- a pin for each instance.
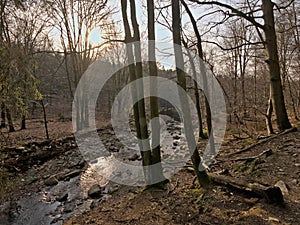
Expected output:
(264, 153)
(271, 193)
(262, 141)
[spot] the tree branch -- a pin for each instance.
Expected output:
(283, 7)
(233, 48)
(234, 10)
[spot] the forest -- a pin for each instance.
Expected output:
(149, 112)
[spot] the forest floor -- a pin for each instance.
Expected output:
(181, 202)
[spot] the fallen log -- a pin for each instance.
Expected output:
(272, 194)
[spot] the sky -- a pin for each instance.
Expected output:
(163, 35)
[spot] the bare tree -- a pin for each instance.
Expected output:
(203, 73)
(137, 91)
(273, 63)
(75, 21)
(288, 47)
(176, 25)
(154, 106)
(270, 43)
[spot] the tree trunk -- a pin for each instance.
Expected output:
(10, 122)
(243, 71)
(139, 111)
(131, 69)
(273, 63)
(23, 122)
(196, 89)
(204, 78)
(146, 153)
(196, 160)
(235, 88)
(3, 122)
(2, 7)
(292, 99)
(255, 90)
(45, 119)
(269, 118)
(154, 106)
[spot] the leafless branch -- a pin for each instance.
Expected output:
(283, 7)
(233, 48)
(234, 10)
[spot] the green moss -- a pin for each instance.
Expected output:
(239, 168)
(253, 170)
(249, 168)
(197, 190)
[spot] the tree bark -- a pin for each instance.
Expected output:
(3, 122)
(292, 99)
(23, 122)
(196, 160)
(204, 78)
(273, 63)
(146, 153)
(2, 8)
(137, 91)
(45, 119)
(131, 69)
(154, 106)
(196, 89)
(10, 122)
(269, 118)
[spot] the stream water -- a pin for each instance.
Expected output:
(55, 204)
